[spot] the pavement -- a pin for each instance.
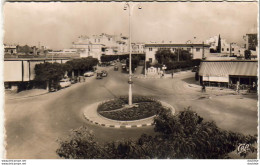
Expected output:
(40, 121)
(24, 94)
(156, 76)
(91, 114)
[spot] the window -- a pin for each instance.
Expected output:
(222, 49)
(197, 49)
(232, 49)
(150, 60)
(150, 49)
(189, 49)
(173, 49)
(227, 49)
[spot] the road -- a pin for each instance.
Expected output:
(34, 124)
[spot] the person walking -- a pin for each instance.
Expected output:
(172, 74)
(238, 87)
(203, 88)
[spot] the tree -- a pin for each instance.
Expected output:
(49, 73)
(184, 135)
(81, 65)
(80, 144)
(219, 45)
(247, 54)
(191, 137)
(135, 62)
(164, 55)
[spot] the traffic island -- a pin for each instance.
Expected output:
(116, 113)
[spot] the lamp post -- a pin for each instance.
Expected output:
(130, 82)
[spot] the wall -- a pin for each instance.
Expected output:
(197, 54)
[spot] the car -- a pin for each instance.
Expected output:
(116, 68)
(99, 75)
(65, 83)
(89, 74)
(104, 73)
(123, 66)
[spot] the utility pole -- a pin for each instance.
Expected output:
(230, 50)
(178, 54)
(130, 82)
(203, 50)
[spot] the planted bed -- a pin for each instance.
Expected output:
(118, 109)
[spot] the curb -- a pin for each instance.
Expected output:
(168, 75)
(119, 126)
(125, 125)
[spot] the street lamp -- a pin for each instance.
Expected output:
(130, 82)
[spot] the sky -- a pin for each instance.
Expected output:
(58, 24)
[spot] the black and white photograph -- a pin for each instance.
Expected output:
(130, 80)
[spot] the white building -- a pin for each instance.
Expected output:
(104, 44)
(198, 51)
(10, 49)
(227, 49)
(138, 48)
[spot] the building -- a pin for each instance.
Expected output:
(10, 49)
(138, 48)
(226, 49)
(224, 73)
(68, 53)
(251, 41)
(104, 44)
(17, 70)
(198, 51)
(252, 44)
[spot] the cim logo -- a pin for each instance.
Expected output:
(243, 148)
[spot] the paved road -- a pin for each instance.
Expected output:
(34, 124)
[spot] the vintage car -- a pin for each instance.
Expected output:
(116, 68)
(104, 73)
(99, 75)
(65, 83)
(89, 74)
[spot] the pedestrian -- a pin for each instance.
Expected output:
(238, 87)
(254, 86)
(172, 74)
(162, 74)
(203, 88)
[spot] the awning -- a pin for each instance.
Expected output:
(226, 68)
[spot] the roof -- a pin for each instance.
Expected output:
(176, 45)
(226, 68)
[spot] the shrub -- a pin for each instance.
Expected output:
(184, 135)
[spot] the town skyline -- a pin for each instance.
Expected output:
(156, 22)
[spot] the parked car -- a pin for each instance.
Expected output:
(99, 75)
(104, 73)
(89, 74)
(65, 83)
(123, 66)
(116, 68)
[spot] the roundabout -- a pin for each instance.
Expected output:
(120, 118)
